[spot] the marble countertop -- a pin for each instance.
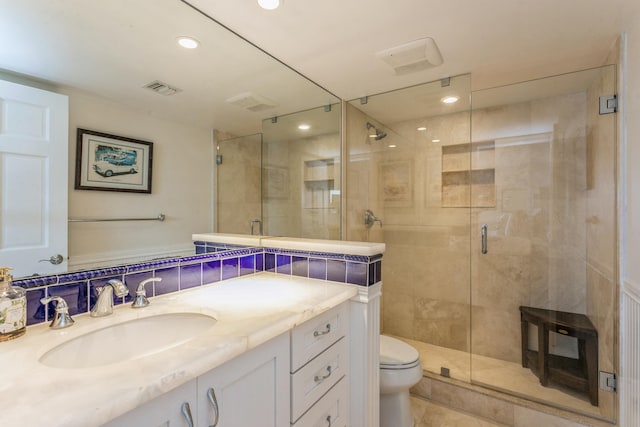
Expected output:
(295, 243)
(249, 310)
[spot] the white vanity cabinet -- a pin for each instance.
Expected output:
(319, 370)
(299, 379)
(163, 411)
(251, 390)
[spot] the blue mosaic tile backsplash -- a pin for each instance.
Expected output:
(212, 263)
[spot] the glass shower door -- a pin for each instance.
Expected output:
(543, 269)
(239, 185)
(408, 163)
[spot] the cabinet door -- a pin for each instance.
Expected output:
(251, 390)
(163, 411)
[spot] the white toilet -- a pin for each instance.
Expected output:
(400, 369)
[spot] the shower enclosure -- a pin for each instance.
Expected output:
(495, 204)
(285, 181)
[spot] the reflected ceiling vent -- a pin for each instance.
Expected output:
(252, 102)
(411, 57)
(162, 88)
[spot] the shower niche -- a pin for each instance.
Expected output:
(319, 184)
(468, 175)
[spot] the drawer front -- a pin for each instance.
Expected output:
(311, 382)
(330, 411)
(312, 337)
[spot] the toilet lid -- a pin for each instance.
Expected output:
(395, 352)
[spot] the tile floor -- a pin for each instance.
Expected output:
(498, 374)
(428, 414)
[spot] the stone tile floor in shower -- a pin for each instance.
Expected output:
(428, 414)
(498, 374)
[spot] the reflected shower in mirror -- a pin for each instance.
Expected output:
(124, 73)
(288, 177)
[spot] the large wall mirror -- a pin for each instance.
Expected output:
(101, 55)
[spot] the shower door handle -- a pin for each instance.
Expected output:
(483, 234)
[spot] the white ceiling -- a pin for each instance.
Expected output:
(334, 42)
(111, 48)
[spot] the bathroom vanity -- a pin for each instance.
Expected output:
(277, 354)
(272, 385)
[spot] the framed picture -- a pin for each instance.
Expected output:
(275, 182)
(107, 162)
(396, 183)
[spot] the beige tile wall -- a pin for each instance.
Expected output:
(237, 183)
(287, 213)
(551, 231)
(601, 272)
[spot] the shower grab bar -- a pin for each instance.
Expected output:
(160, 217)
(483, 234)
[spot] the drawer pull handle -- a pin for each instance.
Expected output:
(563, 331)
(319, 378)
(186, 411)
(325, 332)
(211, 395)
(329, 420)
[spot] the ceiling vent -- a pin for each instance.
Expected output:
(162, 88)
(411, 57)
(251, 102)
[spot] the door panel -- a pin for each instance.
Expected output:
(550, 240)
(33, 179)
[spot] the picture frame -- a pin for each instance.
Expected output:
(106, 162)
(275, 182)
(396, 183)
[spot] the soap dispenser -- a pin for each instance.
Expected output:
(13, 308)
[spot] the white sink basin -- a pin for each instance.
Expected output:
(128, 340)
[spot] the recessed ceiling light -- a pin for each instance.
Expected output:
(421, 128)
(392, 145)
(435, 140)
(304, 126)
(188, 42)
(269, 4)
(449, 99)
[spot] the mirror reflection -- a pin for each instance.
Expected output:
(284, 181)
(122, 71)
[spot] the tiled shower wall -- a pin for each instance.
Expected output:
(601, 255)
(289, 210)
(537, 232)
(426, 279)
(238, 190)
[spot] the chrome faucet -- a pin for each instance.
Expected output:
(61, 318)
(370, 218)
(104, 305)
(141, 295)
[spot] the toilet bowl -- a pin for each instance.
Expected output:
(400, 369)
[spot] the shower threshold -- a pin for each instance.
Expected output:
(508, 379)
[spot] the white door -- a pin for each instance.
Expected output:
(34, 128)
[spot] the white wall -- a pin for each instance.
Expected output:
(181, 186)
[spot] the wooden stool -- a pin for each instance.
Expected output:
(580, 374)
